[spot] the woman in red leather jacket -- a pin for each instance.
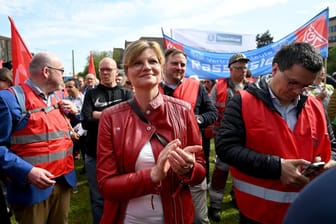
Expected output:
(144, 179)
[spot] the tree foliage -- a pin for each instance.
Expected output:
(117, 56)
(97, 56)
(264, 39)
(331, 61)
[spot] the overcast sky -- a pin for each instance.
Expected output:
(83, 25)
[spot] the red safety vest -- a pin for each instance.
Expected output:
(221, 94)
(45, 142)
(266, 200)
(187, 91)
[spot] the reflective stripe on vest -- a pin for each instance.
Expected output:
(220, 104)
(25, 139)
(264, 193)
(48, 158)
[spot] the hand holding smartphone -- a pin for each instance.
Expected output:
(313, 168)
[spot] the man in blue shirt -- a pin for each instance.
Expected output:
(36, 152)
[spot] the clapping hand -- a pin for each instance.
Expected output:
(182, 160)
(159, 171)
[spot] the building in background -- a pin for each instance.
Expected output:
(332, 32)
(5, 49)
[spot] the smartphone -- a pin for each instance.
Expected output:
(312, 168)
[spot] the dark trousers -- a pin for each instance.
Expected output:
(246, 220)
(206, 149)
(4, 214)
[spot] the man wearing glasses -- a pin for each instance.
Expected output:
(90, 82)
(36, 147)
(221, 93)
(271, 131)
(106, 94)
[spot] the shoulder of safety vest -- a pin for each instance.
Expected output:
(191, 81)
(20, 96)
(222, 85)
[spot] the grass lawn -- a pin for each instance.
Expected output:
(229, 212)
(80, 212)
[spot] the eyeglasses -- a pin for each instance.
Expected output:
(240, 68)
(109, 70)
(294, 85)
(205, 81)
(58, 69)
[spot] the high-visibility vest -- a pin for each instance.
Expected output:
(267, 200)
(221, 95)
(187, 91)
(45, 141)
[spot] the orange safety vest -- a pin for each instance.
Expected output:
(187, 91)
(45, 141)
(266, 200)
(221, 95)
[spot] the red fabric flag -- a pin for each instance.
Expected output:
(21, 56)
(170, 43)
(91, 65)
(315, 32)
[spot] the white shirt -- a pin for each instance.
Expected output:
(148, 208)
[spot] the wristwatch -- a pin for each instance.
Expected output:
(199, 119)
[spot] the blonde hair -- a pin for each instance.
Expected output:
(136, 48)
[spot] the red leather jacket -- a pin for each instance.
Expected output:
(122, 135)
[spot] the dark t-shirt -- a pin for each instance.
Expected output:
(98, 99)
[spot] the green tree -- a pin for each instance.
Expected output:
(331, 65)
(264, 39)
(117, 56)
(97, 56)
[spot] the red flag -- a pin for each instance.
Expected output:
(170, 43)
(21, 56)
(91, 65)
(316, 32)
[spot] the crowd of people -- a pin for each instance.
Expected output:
(144, 134)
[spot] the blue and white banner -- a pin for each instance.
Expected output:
(210, 65)
(215, 41)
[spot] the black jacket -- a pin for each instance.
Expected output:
(97, 99)
(230, 140)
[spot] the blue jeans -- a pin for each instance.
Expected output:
(95, 197)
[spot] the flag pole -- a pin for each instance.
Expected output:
(73, 64)
(325, 69)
